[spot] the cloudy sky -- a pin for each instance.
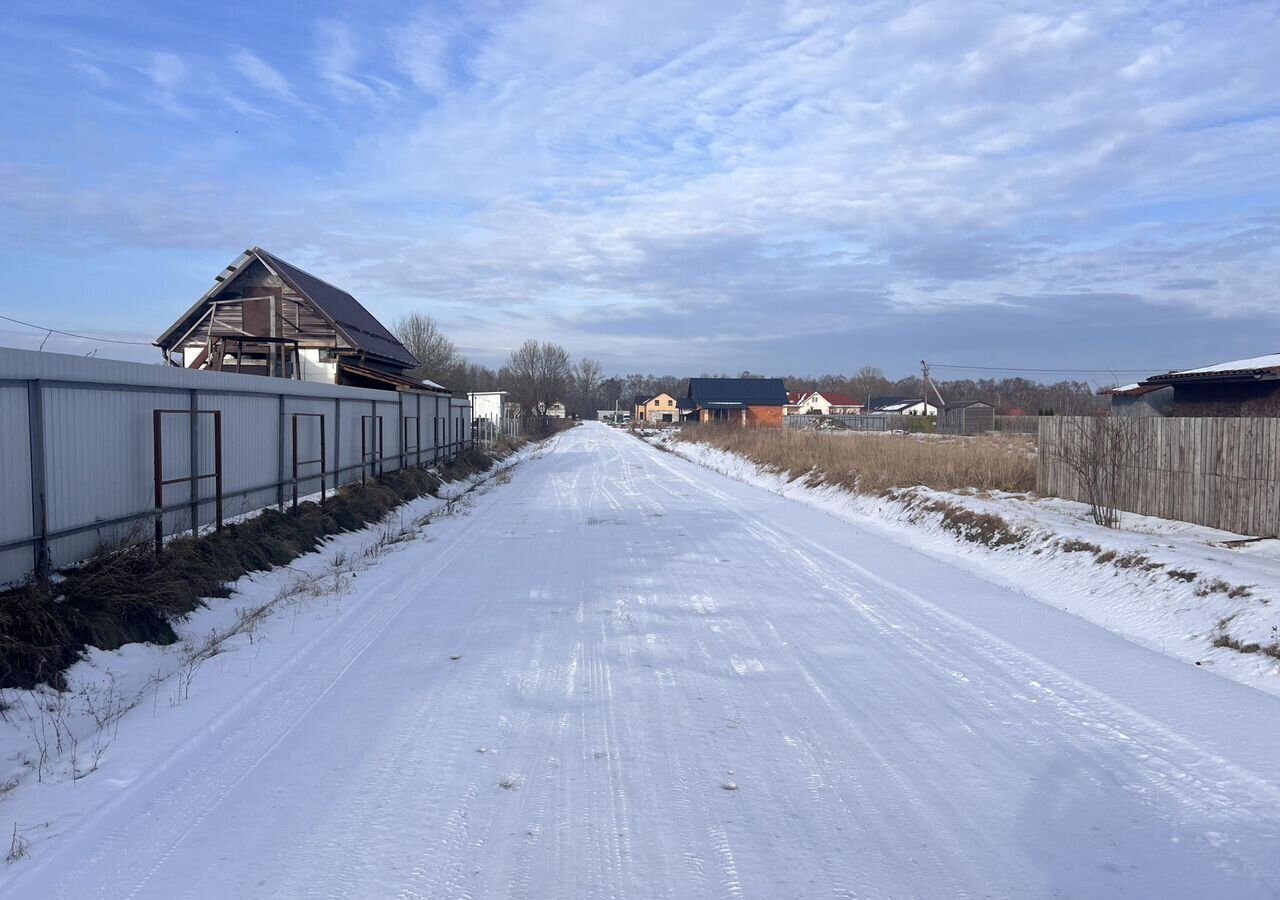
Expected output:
(688, 187)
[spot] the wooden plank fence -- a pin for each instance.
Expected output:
(1222, 473)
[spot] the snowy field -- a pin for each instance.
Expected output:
(622, 675)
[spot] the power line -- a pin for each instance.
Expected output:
(83, 337)
(1048, 371)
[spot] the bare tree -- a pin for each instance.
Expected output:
(538, 376)
(438, 357)
(586, 380)
(1101, 452)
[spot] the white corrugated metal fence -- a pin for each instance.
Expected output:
(77, 447)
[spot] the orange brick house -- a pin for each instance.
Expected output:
(750, 402)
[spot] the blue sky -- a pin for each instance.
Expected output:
(783, 187)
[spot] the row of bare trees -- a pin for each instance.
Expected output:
(537, 375)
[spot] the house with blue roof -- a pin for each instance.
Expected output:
(749, 402)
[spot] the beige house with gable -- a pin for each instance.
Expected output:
(661, 408)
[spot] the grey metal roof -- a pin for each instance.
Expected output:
(747, 391)
(964, 404)
(1255, 368)
(366, 332)
(881, 402)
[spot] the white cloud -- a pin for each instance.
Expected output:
(421, 50)
(262, 75)
(606, 165)
(167, 70)
(95, 73)
(338, 58)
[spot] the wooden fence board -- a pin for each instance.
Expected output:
(1222, 473)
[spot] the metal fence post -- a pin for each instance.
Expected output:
(39, 498)
(280, 456)
(337, 443)
(195, 464)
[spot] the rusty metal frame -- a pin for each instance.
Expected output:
(193, 478)
(370, 457)
(405, 448)
(323, 459)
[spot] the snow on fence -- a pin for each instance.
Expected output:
(79, 440)
(1218, 472)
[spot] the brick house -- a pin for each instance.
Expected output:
(754, 402)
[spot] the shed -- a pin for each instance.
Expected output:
(967, 417)
(1139, 401)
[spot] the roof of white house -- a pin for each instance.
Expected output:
(1270, 361)
(1251, 367)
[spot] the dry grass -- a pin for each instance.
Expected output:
(876, 463)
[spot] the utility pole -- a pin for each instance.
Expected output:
(924, 387)
(924, 372)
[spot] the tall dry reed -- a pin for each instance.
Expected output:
(874, 463)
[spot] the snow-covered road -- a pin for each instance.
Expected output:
(625, 676)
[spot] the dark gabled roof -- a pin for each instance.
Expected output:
(642, 399)
(965, 404)
(364, 331)
(1254, 368)
(686, 403)
(355, 324)
(747, 391)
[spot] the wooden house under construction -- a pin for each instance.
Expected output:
(265, 316)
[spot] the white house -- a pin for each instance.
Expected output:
(822, 403)
(487, 404)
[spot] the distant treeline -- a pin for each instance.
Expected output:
(540, 374)
(1008, 395)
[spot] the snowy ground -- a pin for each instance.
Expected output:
(1170, 586)
(623, 675)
